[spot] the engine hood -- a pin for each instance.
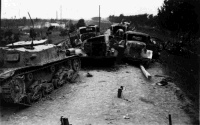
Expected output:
(137, 44)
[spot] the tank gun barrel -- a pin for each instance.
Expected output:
(32, 32)
(31, 19)
(0, 22)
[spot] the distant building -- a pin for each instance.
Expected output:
(62, 25)
(48, 24)
(55, 24)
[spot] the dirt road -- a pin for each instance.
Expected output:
(93, 101)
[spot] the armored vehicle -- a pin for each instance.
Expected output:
(31, 69)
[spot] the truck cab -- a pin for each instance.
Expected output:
(135, 47)
(87, 32)
(117, 28)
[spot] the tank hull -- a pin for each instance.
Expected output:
(28, 75)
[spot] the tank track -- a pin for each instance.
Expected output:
(23, 99)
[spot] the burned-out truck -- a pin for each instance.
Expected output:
(135, 47)
(117, 29)
(98, 48)
(87, 32)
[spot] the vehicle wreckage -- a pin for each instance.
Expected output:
(29, 70)
(87, 32)
(97, 48)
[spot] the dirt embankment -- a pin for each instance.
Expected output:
(93, 101)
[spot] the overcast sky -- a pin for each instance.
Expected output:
(76, 9)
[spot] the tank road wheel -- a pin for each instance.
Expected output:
(39, 95)
(52, 69)
(30, 77)
(17, 89)
(29, 99)
(76, 64)
(44, 93)
(68, 64)
(51, 88)
(55, 83)
(70, 75)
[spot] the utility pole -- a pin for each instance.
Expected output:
(0, 14)
(0, 19)
(19, 13)
(99, 18)
(56, 15)
(60, 12)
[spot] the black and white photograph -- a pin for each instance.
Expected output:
(99, 62)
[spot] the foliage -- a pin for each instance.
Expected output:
(71, 26)
(64, 32)
(81, 22)
(142, 19)
(180, 16)
(96, 18)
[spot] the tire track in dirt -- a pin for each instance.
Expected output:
(93, 100)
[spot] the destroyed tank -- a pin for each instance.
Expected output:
(30, 70)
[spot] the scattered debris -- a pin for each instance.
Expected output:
(102, 81)
(126, 116)
(110, 122)
(160, 75)
(179, 94)
(163, 82)
(147, 75)
(108, 119)
(146, 100)
(38, 115)
(64, 121)
(62, 97)
(49, 98)
(168, 79)
(127, 100)
(89, 75)
(119, 94)
(24, 117)
(170, 119)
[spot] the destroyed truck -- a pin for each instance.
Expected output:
(98, 48)
(87, 32)
(118, 29)
(135, 47)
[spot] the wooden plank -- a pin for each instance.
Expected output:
(146, 74)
